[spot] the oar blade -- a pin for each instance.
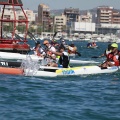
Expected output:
(95, 57)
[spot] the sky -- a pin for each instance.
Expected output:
(62, 4)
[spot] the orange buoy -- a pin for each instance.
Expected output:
(11, 71)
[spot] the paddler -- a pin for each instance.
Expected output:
(51, 56)
(63, 43)
(72, 49)
(64, 57)
(107, 51)
(93, 44)
(113, 57)
(38, 50)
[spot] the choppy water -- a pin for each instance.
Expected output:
(88, 97)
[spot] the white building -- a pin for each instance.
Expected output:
(86, 18)
(9, 14)
(83, 26)
(31, 15)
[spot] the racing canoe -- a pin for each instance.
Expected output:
(18, 56)
(44, 71)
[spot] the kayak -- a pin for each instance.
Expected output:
(93, 47)
(29, 68)
(11, 71)
(18, 56)
(12, 64)
(45, 71)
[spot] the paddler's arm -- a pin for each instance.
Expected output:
(57, 53)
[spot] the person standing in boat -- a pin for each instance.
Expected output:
(64, 57)
(51, 57)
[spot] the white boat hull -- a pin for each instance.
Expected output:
(84, 70)
(18, 56)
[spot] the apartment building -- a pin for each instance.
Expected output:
(60, 22)
(72, 14)
(30, 15)
(44, 16)
(9, 15)
(86, 17)
(116, 17)
(107, 15)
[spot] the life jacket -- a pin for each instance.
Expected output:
(49, 52)
(110, 56)
(38, 51)
(64, 60)
(114, 58)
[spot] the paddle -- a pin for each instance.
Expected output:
(18, 37)
(78, 53)
(54, 36)
(32, 36)
(95, 57)
(98, 56)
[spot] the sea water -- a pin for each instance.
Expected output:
(85, 97)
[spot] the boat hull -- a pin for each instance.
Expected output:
(18, 56)
(84, 70)
(11, 71)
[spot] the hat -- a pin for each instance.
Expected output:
(115, 45)
(46, 42)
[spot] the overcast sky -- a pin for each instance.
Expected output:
(61, 4)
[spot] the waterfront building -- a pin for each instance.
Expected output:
(86, 17)
(104, 14)
(44, 17)
(30, 15)
(9, 15)
(83, 27)
(72, 14)
(108, 20)
(60, 22)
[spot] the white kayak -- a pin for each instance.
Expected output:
(54, 71)
(18, 56)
